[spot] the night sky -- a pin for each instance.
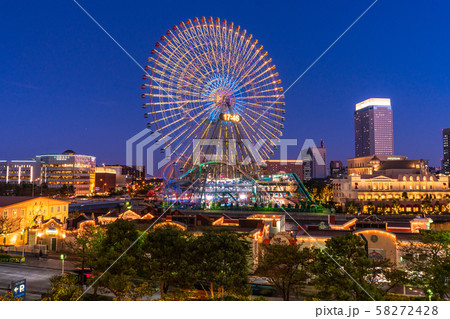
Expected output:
(65, 85)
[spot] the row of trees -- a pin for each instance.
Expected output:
(175, 263)
(27, 189)
(166, 259)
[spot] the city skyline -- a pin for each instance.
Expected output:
(320, 105)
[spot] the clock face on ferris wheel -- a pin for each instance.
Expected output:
(209, 79)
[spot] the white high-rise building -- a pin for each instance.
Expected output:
(374, 131)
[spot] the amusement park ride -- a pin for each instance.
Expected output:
(209, 80)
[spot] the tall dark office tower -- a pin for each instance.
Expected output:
(374, 132)
(446, 143)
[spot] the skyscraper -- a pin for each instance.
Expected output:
(446, 143)
(374, 128)
(314, 162)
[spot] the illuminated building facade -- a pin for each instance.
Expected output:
(407, 190)
(374, 133)
(68, 169)
(386, 165)
(446, 158)
(29, 213)
(18, 172)
(105, 179)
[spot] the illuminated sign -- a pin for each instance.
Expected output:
(230, 117)
(51, 231)
(19, 288)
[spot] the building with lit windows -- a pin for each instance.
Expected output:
(374, 133)
(386, 165)
(337, 169)
(26, 213)
(105, 179)
(282, 167)
(68, 169)
(406, 191)
(131, 173)
(18, 172)
(446, 158)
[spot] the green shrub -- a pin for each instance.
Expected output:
(11, 259)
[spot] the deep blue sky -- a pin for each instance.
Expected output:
(65, 84)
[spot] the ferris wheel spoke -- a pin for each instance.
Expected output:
(242, 50)
(263, 85)
(250, 63)
(274, 129)
(257, 76)
(264, 116)
(177, 78)
(261, 96)
(172, 90)
(249, 55)
(177, 116)
(260, 106)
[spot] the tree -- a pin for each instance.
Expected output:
(85, 244)
(425, 205)
(352, 207)
(371, 208)
(117, 269)
(167, 251)
(348, 274)
(286, 267)
(220, 260)
(134, 292)
(9, 225)
(428, 259)
(9, 297)
(395, 207)
(64, 288)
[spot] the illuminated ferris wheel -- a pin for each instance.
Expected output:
(209, 79)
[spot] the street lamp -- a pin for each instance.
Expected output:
(23, 241)
(63, 257)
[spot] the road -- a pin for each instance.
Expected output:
(38, 279)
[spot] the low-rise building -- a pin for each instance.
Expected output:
(403, 193)
(105, 179)
(388, 165)
(24, 213)
(282, 167)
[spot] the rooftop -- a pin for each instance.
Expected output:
(373, 102)
(11, 200)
